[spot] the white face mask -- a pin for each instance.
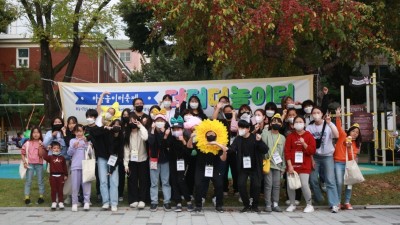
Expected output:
(160, 125)
(290, 106)
(187, 118)
(270, 113)
(108, 116)
(246, 117)
(90, 121)
(194, 105)
(167, 104)
(177, 133)
(259, 119)
(308, 109)
(290, 120)
(241, 132)
(299, 126)
(317, 117)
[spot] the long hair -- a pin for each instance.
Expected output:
(199, 108)
(359, 138)
(128, 130)
(39, 130)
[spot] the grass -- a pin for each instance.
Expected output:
(380, 189)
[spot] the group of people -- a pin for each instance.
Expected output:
(182, 149)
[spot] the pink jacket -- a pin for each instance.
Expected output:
(33, 152)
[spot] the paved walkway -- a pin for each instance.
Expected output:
(231, 217)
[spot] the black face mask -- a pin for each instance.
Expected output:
(56, 127)
(276, 126)
(139, 108)
(132, 125)
(211, 138)
(125, 119)
(228, 116)
(116, 129)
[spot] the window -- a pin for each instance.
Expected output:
(22, 57)
(125, 56)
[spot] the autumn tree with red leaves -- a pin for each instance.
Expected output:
(249, 35)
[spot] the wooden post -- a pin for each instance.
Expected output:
(375, 113)
(383, 139)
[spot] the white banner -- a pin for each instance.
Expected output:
(77, 98)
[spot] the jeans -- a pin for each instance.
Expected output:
(108, 188)
(272, 183)
(339, 172)
(38, 168)
(162, 172)
(330, 181)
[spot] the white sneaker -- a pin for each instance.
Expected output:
(53, 205)
(291, 208)
(141, 205)
(287, 202)
(114, 208)
(296, 202)
(75, 208)
(105, 206)
(214, 200)
(308, 209)
(61, 205)
(335, 209)
(86, 206)
(134, 205)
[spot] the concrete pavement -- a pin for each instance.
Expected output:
(40, 215)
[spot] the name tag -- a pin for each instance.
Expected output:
(277, 158)
(134, 158)
(180, 165)
(209, 171)
(153, 163)
(112, 160)
(246, 162)
(298, 157)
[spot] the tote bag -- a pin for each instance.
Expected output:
(89, 165)
(293, 181)
(22, 169)
(352, 173)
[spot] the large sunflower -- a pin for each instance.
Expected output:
(210, 125)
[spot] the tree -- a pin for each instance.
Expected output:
(69, 24)
(248, 35)
(8, 13)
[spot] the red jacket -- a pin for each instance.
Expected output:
(293, 145)
(57, 164)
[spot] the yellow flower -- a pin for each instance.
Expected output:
(210, 125)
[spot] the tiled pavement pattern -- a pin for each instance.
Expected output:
(125, 215)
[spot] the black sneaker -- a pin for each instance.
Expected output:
(245, 209)
(153, 207)
(219, 209)
(190, 208)
(197, 209)
(40, 201)
(27, 201)
(178, 208)
(255, 209)
(167, 207)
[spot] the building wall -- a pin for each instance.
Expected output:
(134, 64)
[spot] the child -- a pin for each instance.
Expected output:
(272, 180)
(250, 151)
(179, 155)
(58, 173)
(159, 160)
(76, 150)
(33, 162)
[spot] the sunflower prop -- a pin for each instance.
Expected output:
(115, 106)
(210, 125)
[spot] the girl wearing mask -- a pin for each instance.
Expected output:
(138, 111)
(270, 110)
(69, 134)
(195, 107)
(288, 124)
(136, 163)
(121, 170)
(276, 143)
(166, 103)
(259, 117)
(56, 134)
(299, 149)
(245, 114)
(218, 109)
(307, 107)
(324, 131)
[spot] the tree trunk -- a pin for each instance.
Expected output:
(47, 74)
(75, 50)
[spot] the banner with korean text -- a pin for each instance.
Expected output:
(76, 98)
